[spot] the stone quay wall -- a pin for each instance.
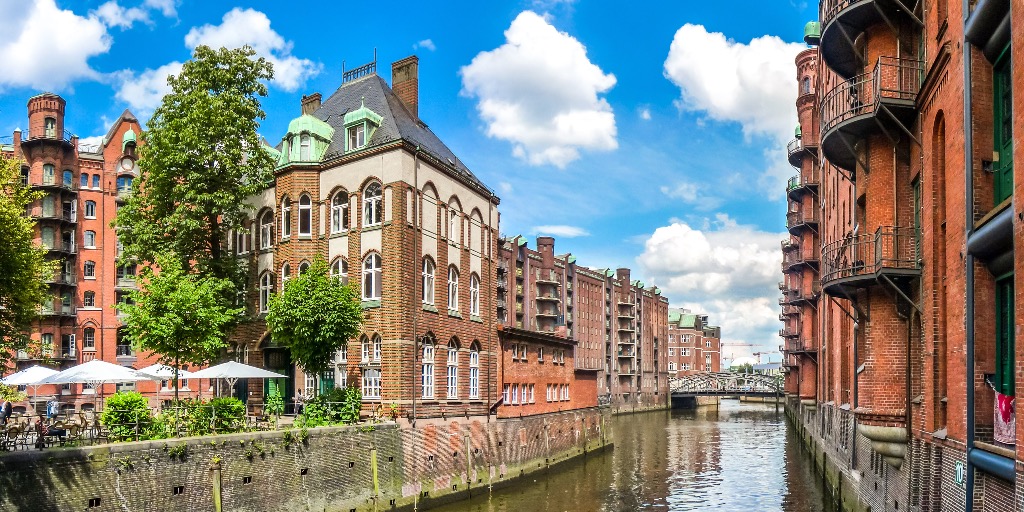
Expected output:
(353, 468)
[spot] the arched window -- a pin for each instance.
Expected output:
(89, 239)
(339, 269)
(286, 217)
(474, 371)
(69, 178)
(474, 294)
(286, 274)
(453, 288)
(96, 181)
(49, 174)
(365, 350)
(89, 339)
(89, 269)
(428, 281)
(373, 205)
(124, 184)
(50, 127)
(453, 224)
(304, 147)
(303, 267)
(305, 215)
(89, 299)
(453, 370)
(90, 209)
(427, 370)
(241, 238)
(266, 285)
(378, 348)
(339, 212)
(805, 85)
(267, 230)
(372, 277)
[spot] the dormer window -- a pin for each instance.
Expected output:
(356, 136)
(304, 147)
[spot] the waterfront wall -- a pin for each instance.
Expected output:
(862, 480)
(358, 468)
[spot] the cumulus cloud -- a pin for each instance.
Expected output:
(114, 15)
(540, 91)
(727, 270)
(144, 91)
(169, 8)
(426, 44)
(241, 27)
(753, 84)
(46, 47)
(560, 231)
(645, 114)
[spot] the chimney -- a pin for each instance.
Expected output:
(406, 83)
(546, 247)
(311, 103)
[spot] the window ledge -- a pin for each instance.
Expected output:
(88, 218)
(476, 318)
(89, 278)
(268, 250)
(339, 234)
(370, 304)
(305, 237)
(373, 227)
(430, 307)
(454, 313)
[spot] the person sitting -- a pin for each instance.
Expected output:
(5, 411)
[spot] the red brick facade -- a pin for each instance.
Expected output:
(694, 346)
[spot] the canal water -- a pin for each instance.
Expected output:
(740, 457)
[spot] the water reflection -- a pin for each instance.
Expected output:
(739, 457)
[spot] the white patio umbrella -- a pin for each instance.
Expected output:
(31, 377)
(97, 373)
(164, 372)
(231, 371)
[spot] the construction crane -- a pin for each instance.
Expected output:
(759, 354)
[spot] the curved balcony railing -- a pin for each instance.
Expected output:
(789, 245)
(807, 255)
(889, 249)
(892, 79)
(795, 152)
(61, 135)
(801, 218)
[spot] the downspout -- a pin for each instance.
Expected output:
(969, 271)
(493, 253)
(417, 238)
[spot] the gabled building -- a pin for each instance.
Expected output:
(694, 346)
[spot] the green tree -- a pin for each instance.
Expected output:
(181, 316)
(23, 266)
(200, 162)
(314, 316)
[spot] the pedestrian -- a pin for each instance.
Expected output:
(52, 408)
(5, 411)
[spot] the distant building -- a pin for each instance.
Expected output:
(693, 345)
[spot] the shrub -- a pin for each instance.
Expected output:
(337, 406)
(127, 416)
(275, 405)
(228, 414)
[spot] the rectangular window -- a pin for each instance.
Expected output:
(505, 393)
(540, 354)
(474, 383)
(371, 383)
(531, 394)
(1002, 132)
(356, 137)
(515, 394)
(1005, 360)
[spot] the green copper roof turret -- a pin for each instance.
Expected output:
(313, 126)
(129, 136)
(362, 113)
(812, 33)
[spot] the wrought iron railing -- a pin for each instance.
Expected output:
(892, 78)
(795, 146)
(889, 247)
(802, 216)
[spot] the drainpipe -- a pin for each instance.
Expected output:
(417, 238)
(969, 271)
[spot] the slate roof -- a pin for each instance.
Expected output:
(397, 123)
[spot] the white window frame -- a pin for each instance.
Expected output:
(474, 373)
(304, 147)
(286, 218)
(266, 286)
(90, 210)
(428, 275)
(372, 275)
(339, 212)
(364, 350)
(89, 269)
(89, 239)
(453, 288)
(339, 269)
(427, 371)
(355, 136)
(453, 371)
(505, 394)
(267, 231)
(305, 215)
(89, 338)
(474, 294)
(286, 274)
(515, 394)
(371, 383)
(373, 208)
(378, 348)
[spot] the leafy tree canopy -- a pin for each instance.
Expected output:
(315, 316)
(201, 158)
(23, 267)
(181, 316)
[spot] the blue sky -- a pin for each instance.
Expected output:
(647, 136)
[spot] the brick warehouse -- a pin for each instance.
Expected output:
(902, 224)
(618, 327)
(83, 185)
(694, 345)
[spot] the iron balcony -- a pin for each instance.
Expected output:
(860, 261)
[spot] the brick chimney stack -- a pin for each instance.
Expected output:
(311, 103)
(406, 83)
(546, 247)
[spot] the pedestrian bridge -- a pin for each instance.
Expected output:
(725, 384)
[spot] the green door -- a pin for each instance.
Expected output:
(1004, 336)
(1003, 129)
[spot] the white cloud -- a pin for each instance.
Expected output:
(426, 44)
(45, 47)
(645, 114)
(505, 187)
(560, 230)
(241, 27)
(540, 92)
(726, 270)
(169, 8)
(753, 84)
(682, 190)
(144, 91)
(113, 15)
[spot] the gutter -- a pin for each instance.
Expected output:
(969, 258)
